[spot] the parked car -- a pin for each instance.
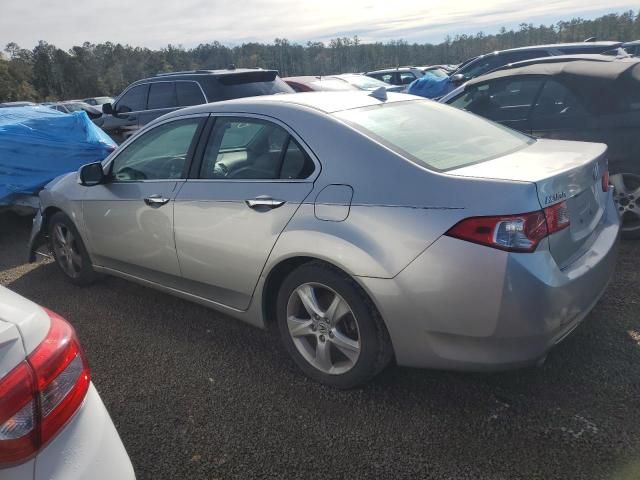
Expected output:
(150, 98)
(68, 107)
(53, 424)
(16, 104)
(311, 83)
(97, 101)
(401, 76)
(364, 82)
(292, 216)
(491, 61)
(573, 100)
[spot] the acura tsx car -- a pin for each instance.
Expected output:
(366, 227)
(53, 424)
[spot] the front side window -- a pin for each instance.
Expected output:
(159, 154)
(134, 100)
(434, 135)
(247, 148)
(162, 95)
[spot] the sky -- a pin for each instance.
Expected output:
(155, 24)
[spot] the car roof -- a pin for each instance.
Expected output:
(323, 101)
(189, 74)
(592, 57)
(577, 69)
(594, 45)
(393, 69)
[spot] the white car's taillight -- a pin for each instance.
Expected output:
(41, 394)
(514, 233)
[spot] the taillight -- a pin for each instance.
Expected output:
(557, 217)
(513, 233)
(41, 394)
(605, 181)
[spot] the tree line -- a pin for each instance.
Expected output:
(50, 73)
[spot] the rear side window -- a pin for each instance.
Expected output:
(242, 149)
(556, 99)
(189, 93)
(134, 100)
(434, 135)
(502, 99)
(248, 84)
(406, 78)
(162, 95)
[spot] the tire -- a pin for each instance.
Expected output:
(79, 271)
(627, 200)
(354, 322)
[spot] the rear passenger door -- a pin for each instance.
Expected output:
(253, 175)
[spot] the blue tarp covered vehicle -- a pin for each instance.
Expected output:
(38, 144)
(430, 86)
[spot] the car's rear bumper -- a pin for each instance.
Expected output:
(88, 447)
(468, 307)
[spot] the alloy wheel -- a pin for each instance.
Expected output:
(627, 200)
(66, 250)
(323, 328)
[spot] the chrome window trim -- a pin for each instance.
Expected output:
(316, 162)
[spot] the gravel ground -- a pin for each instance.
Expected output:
(197, 395)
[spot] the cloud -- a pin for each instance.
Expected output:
(154, 24)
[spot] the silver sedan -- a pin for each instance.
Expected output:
(366, 227)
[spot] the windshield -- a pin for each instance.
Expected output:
(433, 135)
(363, 82)
(436, 72)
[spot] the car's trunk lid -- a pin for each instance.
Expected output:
(562, 171)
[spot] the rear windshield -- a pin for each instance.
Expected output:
(436, 136)
(248, 84)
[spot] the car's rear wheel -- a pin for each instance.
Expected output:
(330, 327)
(69, 252)
(627, 200)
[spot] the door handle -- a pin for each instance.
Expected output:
(155, 200)
(264, 202)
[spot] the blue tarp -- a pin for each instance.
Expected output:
(37, 144)
(430, 86)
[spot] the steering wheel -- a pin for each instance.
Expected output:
(130, 174)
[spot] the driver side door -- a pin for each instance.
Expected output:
(129, 219)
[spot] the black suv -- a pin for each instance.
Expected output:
(149, 98)
(477, 66)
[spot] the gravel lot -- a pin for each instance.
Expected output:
(197, 395)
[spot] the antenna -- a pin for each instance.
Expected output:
(380, 93)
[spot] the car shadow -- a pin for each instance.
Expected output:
(578, 406)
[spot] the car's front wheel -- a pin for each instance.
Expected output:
(330, 327)
(69, 252)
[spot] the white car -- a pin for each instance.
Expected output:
(53, 424)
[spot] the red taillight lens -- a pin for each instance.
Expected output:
(605, 181)
(18, 429)
(513, 233)
(557, 217)
(40, 395)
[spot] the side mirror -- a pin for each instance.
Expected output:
(107, 108)
(457, 78)
(91, 174)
